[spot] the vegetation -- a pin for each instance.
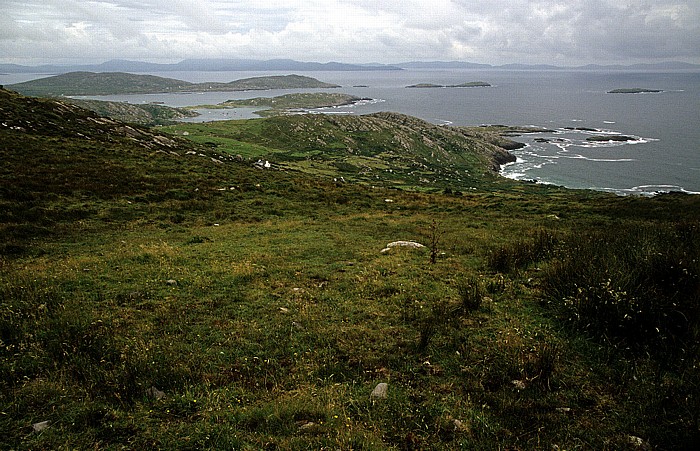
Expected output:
(163, 293)
(383, 149)
(107, 83)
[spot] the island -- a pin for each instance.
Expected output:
(288, 103)
(633, 91)
(607, 138)
(110, 83)
(471, 84)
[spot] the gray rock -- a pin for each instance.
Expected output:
(406, 244)
(155, 393)
(38, 427)
(381, 391)
(639, 443)
(309, 427)
(410, 244)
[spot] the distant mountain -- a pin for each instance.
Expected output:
(274, 64)
(108, 83)
(530, 67)
(671, 65)
(240, 64)
(202, 65)
(443, 65)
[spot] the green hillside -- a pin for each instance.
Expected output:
(384, 149)
(108, 83)
(144, 114)
(167, 293)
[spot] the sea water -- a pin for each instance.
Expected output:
(663, 154)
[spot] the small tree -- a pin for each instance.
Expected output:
(435, 235)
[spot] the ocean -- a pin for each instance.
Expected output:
(662, 154)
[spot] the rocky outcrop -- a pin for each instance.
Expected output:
(633, 91)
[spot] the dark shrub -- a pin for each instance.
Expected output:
(638, 286)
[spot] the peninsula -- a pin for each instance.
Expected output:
(110, 83)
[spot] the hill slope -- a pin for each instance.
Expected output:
(158, 293)
(107, 83)
(144, 114)
(386, 149)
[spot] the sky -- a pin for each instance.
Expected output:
(561, 32)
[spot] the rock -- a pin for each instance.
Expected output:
(262, 164)
(309, 427)
(638, 443)
(607, 138)
(381, 391)
(153, 392)
(408, 244)
(460, 426)
(634, 91)
(520, 385)
(38, 427)
(171, 282)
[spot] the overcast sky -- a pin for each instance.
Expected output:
(564, 32)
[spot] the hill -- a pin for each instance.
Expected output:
(144, 114)
(386, 149)
(107, 83)
(157, 292)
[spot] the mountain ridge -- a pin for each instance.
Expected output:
(242, 64)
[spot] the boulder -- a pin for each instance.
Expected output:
(381, 391)
(407, 244)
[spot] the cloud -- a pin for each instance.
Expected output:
(495, 31)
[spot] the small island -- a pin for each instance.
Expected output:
(633, 91)
(471, 84)
(288, 103)
(607, 138)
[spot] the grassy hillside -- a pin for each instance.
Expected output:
(106, 83)
(143, 114)
(162, 293)
(384, 149)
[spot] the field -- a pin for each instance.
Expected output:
(170, 293)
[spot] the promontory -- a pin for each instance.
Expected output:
(109, 83)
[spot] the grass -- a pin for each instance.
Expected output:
(259, 304)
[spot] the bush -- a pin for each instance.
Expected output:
(512, 257)
(471, 295)
(638, 286)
